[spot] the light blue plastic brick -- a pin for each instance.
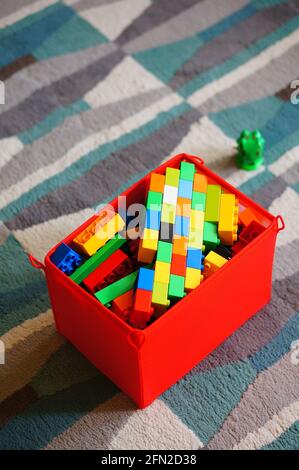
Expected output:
(181, 226)
(152, 219)
(185, 189)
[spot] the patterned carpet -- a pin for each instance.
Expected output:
(90, 86)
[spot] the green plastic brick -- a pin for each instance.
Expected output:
(164, 251)
(172, 177)
(116, 289)
(99, 257)
(213, 203)
(154, 200)
(210, 236)
(198, 201)
(187, 171)
(176, 286)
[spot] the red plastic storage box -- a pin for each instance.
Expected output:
(143, 364)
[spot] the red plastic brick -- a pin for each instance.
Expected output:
(95, 279)
(143, 300)
(142, 310)
(178, 265)
(238, 247)
(251, 232)
(123, 304)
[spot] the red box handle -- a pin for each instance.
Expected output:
(195, 158)
(280, 223)
(35, 263)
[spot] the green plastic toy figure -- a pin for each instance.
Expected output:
(250, 150)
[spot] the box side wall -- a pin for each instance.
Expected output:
(184, 335)
(93, 331)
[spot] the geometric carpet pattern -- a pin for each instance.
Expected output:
(97, 93)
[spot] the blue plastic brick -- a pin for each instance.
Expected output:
(152, 219)
(59, 254)
(181, 226)
(66, 259)
(195, 258)
(185, 189)
(145, 279)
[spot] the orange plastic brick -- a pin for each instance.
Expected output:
(183, 207)
(157, 183)
(180, 245)
(247, 216)
(200, 183)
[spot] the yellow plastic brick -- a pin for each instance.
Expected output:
(228, 219)
(197, 219)
(98, 233)
(193, 278)
(148, 245)
(168, 213)
(195, 238)
(111, 228)
(172, 177)
(212, 263)
(92, 245)
(160, 293)
(150, 235)
(162, 272)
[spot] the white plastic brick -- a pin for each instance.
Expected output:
(170, 195)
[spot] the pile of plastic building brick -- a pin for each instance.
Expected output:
(190, 230)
